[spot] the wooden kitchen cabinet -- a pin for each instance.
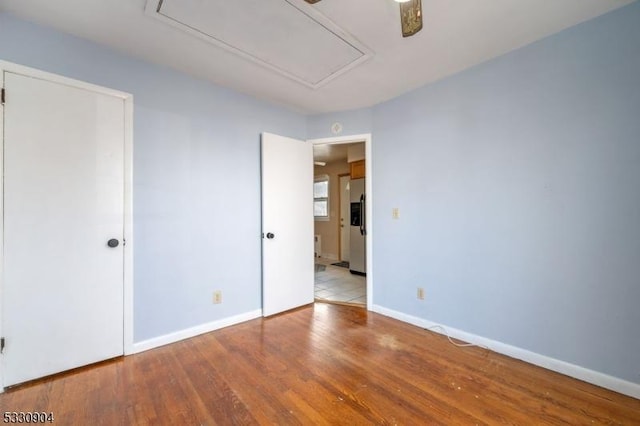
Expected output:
(357, 169)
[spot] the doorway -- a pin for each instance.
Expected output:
(341, 245)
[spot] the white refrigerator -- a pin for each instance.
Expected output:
(358, 228)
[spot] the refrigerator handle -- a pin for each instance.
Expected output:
(362, 214)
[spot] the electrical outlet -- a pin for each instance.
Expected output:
(217, 297)
(420, 293)
(395, 213)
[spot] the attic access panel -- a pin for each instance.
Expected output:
(286, 36)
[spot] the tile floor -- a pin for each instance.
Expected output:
(337, 284)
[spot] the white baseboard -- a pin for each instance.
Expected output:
(572, 370)
(145, 345)
(329, 256)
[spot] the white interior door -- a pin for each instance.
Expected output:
(287, 223)
(63, 201)
(345, 213)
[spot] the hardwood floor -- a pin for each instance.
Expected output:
(322, 364)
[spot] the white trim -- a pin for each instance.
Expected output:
(127, 98)
(366, 137)
(329, 256)
(128, 226)
(572, 370)
(167, 339)
(44, 75)
(2, 66)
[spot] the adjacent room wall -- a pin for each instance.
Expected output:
(196, 178)
(329, 229)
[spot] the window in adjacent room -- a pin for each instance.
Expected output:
(321, 197)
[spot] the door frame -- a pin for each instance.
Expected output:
(127, 99)
(366, 137)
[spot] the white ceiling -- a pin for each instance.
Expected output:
(329, 153)
(457, 34)
(287, 37)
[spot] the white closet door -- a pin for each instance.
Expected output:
(63, 202)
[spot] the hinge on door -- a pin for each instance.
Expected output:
(2, 96)
(1, 345)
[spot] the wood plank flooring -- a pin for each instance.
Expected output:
(320, 365)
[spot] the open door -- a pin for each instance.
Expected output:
(287, 224)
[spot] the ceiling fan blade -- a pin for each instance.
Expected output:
(411, 17)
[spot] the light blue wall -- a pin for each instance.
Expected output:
(518, 184)
(196, 177)
(354, 122)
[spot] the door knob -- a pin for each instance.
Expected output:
(113, 243)
(270, 235)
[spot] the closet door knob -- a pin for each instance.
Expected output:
(113, 243)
